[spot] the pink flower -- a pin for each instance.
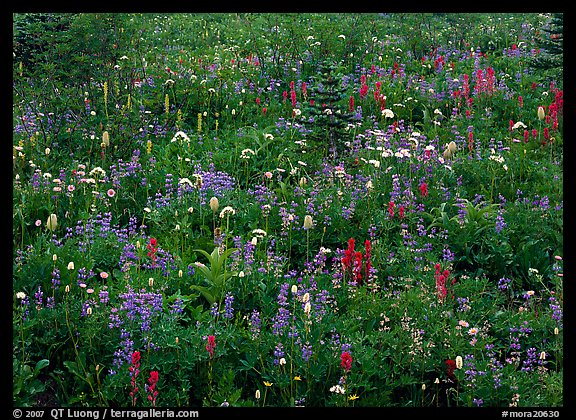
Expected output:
(111, 192)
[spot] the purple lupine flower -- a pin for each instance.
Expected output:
(503, 283)
(39, 298)
(278, 353)
(228, 310)
(500, 223)
(255, 323)
(55, 278)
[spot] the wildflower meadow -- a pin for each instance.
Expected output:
(287, 210)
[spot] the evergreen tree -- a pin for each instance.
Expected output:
(550, 59)
(327, 110)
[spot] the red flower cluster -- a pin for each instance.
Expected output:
(352, 263)
(152, 250)
(152, 392)
(211, 345)
(292, 94)
(379, 97)
(134, 370)
(441, 276)
(450, 367)
(470, 141)
(391, 211)
(391, 206)
(363, 86)
(346, 361)
(423, 189)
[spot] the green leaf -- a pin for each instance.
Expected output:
(41, 365)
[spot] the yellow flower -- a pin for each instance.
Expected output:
(297, 378)
(267, 383)
(353, 397)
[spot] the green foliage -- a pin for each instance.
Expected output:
(550, 59)
(27, 384)
(329, 118)
(417, 135)
(215, 274)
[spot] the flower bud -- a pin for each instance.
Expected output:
(541, 113)
(308, 223)
(458, 362)
(52, 222)
(214, 204)
(71, 265)
(105, 139)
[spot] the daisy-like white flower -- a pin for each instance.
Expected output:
(227, 211)
(260, 233)
(387, 113)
